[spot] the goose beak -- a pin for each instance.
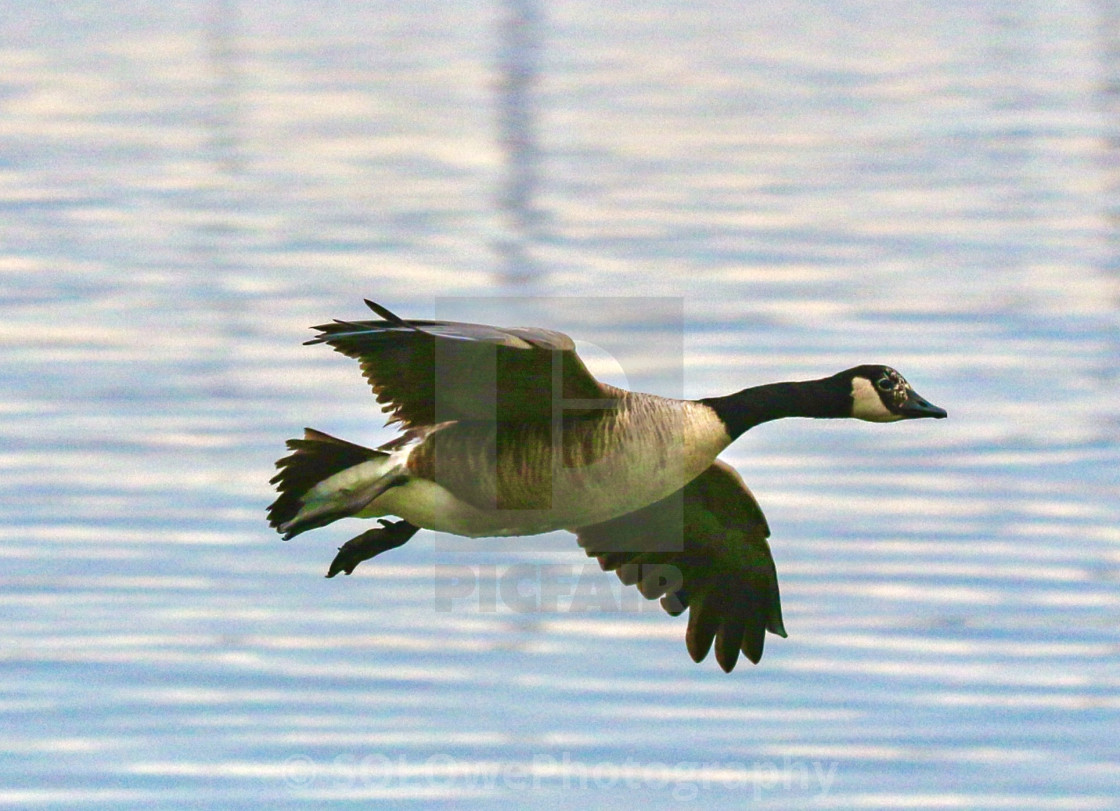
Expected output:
(917, 406)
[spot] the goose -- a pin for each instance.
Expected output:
(505, 432)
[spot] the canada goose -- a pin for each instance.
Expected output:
(507, 433)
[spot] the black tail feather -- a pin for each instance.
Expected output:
(316, 457)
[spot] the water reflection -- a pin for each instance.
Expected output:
(1012, 146)
(184, 192)
(1109, 166)
(223, 28)
(519, 69)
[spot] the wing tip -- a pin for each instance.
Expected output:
(389, 315)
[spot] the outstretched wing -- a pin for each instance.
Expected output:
(424, 372)
(703, 548)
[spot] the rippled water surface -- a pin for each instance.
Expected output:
(791, 188)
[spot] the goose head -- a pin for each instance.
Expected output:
(881, 394)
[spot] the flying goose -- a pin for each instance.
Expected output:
(505, 432)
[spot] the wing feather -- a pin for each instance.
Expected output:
(709, 542)
(424, 372)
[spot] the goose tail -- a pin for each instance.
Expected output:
(325, 479)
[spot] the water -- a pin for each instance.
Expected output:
(187, 186)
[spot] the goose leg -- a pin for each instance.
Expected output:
(389, 535)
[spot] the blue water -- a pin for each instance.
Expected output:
(787, 190)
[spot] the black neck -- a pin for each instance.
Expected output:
(750, 407)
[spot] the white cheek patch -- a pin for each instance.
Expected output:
(866, 404)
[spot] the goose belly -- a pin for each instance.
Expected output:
(600, 471)
(429, 505)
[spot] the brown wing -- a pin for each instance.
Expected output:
(424, 372)
(703, 548)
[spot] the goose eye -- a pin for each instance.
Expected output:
(885, 384)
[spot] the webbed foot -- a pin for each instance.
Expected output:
(370, 543)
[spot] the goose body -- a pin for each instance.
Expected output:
(648, 448)
(507, 433)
